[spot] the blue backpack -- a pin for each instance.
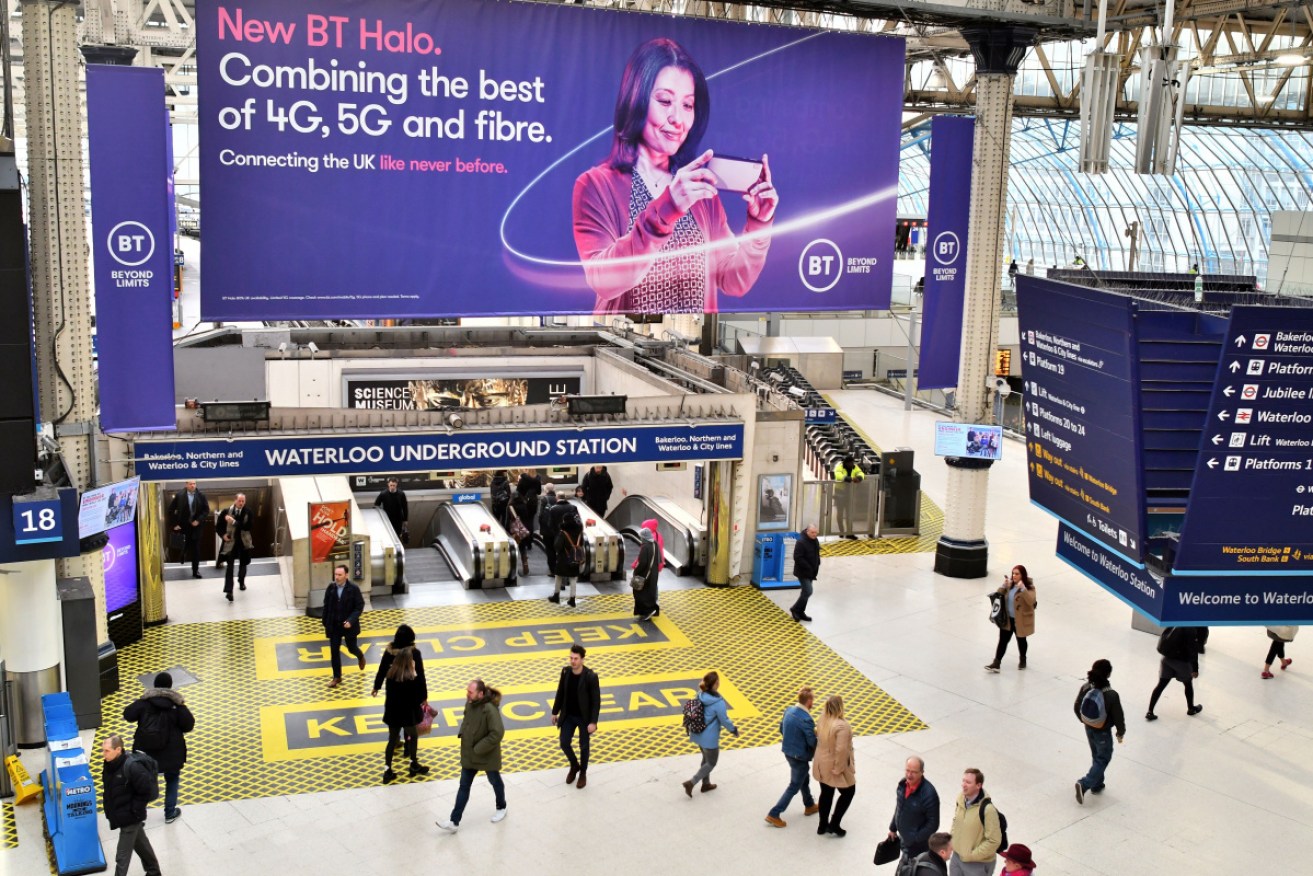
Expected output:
(1094, 709)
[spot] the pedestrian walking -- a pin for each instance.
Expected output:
(1099, 708)
(1277, 650)
(577, 706)
(129, 782)
(798, 732)
(933, 861)
(524, 509)
(162, 720)
(188, 513)
(546, 528)
(916, 811)
(500, 490)
(1179, 647)
(570, 554)
(1018, 592)
(343, 604)
(834, 767)
(597, 487)
(234, 528)
(806, 566)
(1017, 859)
(715, 718)
(647, 570)
(977, 829)
(480, 733)
(405, 691)
(396, 508)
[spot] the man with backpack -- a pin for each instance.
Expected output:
(162, 717)
(1099, 708)
(569, 547)
(130, 783)
(979, 829)
(933, 861)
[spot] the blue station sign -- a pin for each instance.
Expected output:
(213, 458)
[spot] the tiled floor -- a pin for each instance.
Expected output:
(1219, 793)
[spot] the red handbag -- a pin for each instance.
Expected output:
(426, 722)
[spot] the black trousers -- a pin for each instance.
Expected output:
(568, 724)
(826, 798)
(1277, 649)
(335, 639)
(1005, 636)
(240, 557)
(191, 546)
(411, 750)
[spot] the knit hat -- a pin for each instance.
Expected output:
(163, 680)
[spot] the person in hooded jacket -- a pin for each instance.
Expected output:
(163, 714)
(715, 714)
(401, 670)
(481, 732)
(569, 533)
(546, 529)
(647, 568)
(500, 490)
(651, 523)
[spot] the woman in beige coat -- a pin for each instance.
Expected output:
(834, 767)
(1018, 593)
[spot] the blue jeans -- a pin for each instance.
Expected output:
(797, 782)
(1101, 751)
(463, 794)
(170, 791)
(800, 607)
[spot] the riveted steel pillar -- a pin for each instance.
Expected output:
(962, 551)
(61, 294)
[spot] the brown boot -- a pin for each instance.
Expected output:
(524, 564)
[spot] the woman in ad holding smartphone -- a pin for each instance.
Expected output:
(648, 222)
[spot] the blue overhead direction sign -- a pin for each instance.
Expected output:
(1251, 502)
(1083, 441)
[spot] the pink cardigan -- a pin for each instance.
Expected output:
(602, 232)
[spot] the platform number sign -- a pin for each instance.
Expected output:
(38, 522)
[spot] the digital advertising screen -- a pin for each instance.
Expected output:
(108, 506)
(436, 158)
(965, 439)
(120, 559)
(425, 394)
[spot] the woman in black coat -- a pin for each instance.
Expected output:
(402, 670)
(648, 569)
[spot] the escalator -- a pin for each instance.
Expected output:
(684, 536)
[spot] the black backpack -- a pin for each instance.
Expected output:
(1002, 824)
(146, 762)
(153, 730)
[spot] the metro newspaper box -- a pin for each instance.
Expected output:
(70, 792)
(772, 561)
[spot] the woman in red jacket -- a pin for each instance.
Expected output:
(648, 223)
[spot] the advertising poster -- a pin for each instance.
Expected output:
(127, 143)
(120, 561)
(952, 143)
(967, 440)
(774, 493)
(330, 531)
(109, 506)
(401, 394)
(427, 158)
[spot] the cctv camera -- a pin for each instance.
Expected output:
(455, 421)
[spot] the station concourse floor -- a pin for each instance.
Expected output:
(1218, 793)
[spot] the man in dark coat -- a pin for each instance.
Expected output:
(934, 861)
(188, 512)
(393, 502)
(234, 527)
(546, 528)
(806, 566)
(130, 783)
(530, 484)
(577, 705)
(162, 717)
(916, 810)
(597, 489)
(343, 604)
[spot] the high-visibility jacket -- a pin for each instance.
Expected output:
(843, 474)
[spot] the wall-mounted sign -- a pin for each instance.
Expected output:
(401, 394)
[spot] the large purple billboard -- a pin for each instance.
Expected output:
(120, 560)
(420, 158)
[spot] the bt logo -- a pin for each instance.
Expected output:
(821, 265)
(946, 248)
(131, 244)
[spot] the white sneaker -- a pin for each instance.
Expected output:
(498, 815)
(448, 826)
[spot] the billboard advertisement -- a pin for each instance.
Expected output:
(104, 507)
(967, 440)
(402, 394)
(119, 557)
(127, 137)
(952, 144)
(460, 158)
(330, 531)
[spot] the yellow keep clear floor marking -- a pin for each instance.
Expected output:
(932, 521)
(254, 734)
(8, 827)
(309, 655)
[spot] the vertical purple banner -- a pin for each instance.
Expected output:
(133, 251)
(951, 142)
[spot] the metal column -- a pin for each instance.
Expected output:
(962, 551)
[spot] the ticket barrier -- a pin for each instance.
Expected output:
(604, 546)
(475, 545)
(70, 792)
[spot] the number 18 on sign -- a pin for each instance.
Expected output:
(37, 522)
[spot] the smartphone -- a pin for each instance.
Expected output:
(734, 174)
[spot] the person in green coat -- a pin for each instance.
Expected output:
(481, 732)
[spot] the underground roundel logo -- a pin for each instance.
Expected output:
(946, 248)
(821, 265)
(131, 244)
